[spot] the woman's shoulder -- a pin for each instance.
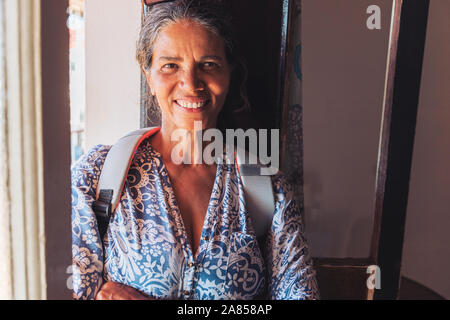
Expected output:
(91, 163)
(281, 186)
(286, 202)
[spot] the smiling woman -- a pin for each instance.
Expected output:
(189, 79)
(183, 231)
(215, 21)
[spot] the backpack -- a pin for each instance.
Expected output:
(257, 188)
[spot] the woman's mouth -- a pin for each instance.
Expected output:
(192, 106)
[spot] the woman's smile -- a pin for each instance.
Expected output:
(192, 105)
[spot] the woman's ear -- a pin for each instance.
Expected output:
(152, 91)
(149, 81)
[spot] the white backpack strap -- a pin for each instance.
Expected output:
(114, 173)
(258, 191)
(257, 187)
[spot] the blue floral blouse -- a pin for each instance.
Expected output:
(146, 245)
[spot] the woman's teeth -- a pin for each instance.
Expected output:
(189, 105)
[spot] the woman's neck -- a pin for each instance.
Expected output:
(180, 145)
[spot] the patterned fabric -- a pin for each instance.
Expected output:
(147, 248)
(293, 156)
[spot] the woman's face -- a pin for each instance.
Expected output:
(189, 75)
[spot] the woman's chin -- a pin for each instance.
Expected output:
(194, 123)
(185, 117)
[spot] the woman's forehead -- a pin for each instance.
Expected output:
(188, 35)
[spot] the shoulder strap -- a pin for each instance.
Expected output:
(114, 173)
(258, 191)
(258, 188)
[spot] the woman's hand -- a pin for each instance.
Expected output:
(118, 291)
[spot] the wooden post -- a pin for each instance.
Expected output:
(404, 70)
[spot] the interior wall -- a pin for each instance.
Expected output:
(112, 73)
(426, 256)
(343, 78)
(343, 68)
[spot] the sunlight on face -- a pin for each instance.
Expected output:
(189, 75)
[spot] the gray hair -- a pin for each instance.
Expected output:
(215, 18)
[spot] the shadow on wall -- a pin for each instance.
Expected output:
(334, 233)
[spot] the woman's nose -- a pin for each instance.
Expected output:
(191, 81)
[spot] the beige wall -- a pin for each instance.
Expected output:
(426, 255)
(343, 82)
(343, 73)
(112, 75)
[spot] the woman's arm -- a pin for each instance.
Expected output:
(87, 251)
(291, 274)
(118, 291)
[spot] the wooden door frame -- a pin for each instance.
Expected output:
(56, 147)
(401, 99)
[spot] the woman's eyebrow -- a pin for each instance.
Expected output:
(208, 57)
(212, 57)
(170, 58)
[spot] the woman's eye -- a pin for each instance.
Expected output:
(210, 65)
(169, 67)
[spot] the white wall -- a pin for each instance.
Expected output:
(112, 73)
(426, 255)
